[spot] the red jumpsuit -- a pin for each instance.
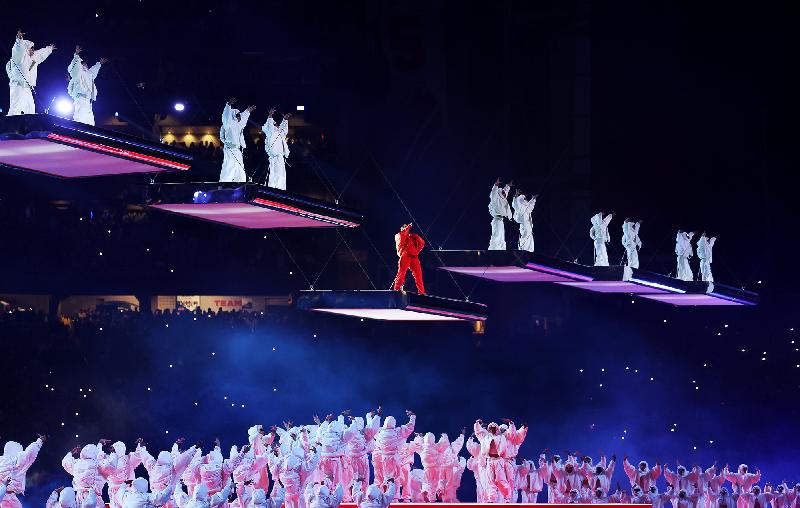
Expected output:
(408, 247)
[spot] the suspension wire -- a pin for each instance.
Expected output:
(380, 256)
(326, 182)
(355, 258)
(413, 219)
(325, 265)
(133, 98)
(564, 240)
(469, 165)
(352, 177)
(458, 221)
(299, 269)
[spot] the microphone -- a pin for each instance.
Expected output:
(47, 111)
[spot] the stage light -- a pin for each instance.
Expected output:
(301, 108)
(179, 106)
(64, 106)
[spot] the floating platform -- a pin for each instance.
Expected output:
(248, 206)
(523, 266)
(58, 147)
(390, 305)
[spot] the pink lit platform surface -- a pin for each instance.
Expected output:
(389, 306)
(248, 206)
(243, 215)
(66, 149)
(507, 266)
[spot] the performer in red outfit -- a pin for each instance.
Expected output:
(408, 246)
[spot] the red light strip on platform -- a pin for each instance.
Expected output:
(303, 213)
(460, 315)
(117, 151)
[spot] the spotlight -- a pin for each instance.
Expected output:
(64, 106)
(179, 106)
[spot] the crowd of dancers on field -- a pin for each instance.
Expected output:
(328, 462)
(521, 208)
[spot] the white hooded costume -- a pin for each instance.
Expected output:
(705, 247)
(357, 450)
(66, 499)
(89, 471)
(277, 150)
(137, 495)
(22, 70)
(231, 134)
(499, 209)
(375, 496)
(522, 215)
(388, 440)
(631, 243)
(333, 436)
(82, 89)
(201, 498)
(319, 495)
(259, 499)
(166, 469)
(599, 234)
(122, 469)
(14, 465)
(641, 475)
(683, 251)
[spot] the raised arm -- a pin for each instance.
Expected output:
(74, 68)
(161, 498)
(222, 496)
(40, 55)
(26, 458)
(408, 428)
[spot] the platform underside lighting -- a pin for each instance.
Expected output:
(522, 266)
(390, 306)
(248, 206)
(66, 149)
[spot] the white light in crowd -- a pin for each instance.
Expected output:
(148, 388)
(76, 414)
(601, 385)
(96, 15)
(101, 328)
(167, 325)
(101, 253)
(694, 447)
(232, 404)
(64, 106)
(195, 403)
(76, 435)
(665, 320)
(726, 326)
(62, 424)
(80, 389)
(711, 442)
(84, 395)
(623, 437)
(170, 365)
(274, 389)
(225, 397)
(301, 108)
(602, 370)
(166, 432)
(672, 429)
(651, 379)
(242, 405)
(116, 113)
(179, 106)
